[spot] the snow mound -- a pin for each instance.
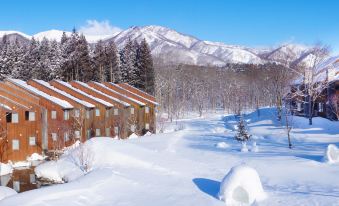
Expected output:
(21, 164)
(241, 186)
(133, 136)
(35, 157)
(5, 169)
(255, 147)
(6, 192)
(222, 145)
(148, 133)
(244, 147)
(332, 154)
(58, 171)
(218, 130)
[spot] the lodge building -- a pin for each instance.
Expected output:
(38, 116)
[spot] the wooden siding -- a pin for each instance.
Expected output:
(148, 117)
(137, 91)
(121, 120)
(134, 119)
(100, 122)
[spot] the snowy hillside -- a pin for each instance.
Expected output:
(173, 47)
(186, 167)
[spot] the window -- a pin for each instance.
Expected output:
(97, 132)
(116, 111)
(147, 126)
(26, 115)
(321, 107)
(54, 137)
(133, 128)
(116, 130)
(107, 130)
(146, 110)
(8, 117)
(32, 141)
(299, 106)
(77, 134)
(66, 137)
(97, 112)
(107, 113)
(132, 110)
(66, 115)
(53, 114)
(15, 118)
(77, 113)
(87, 114)
(32, 178)
(15, 144)
(31, 116)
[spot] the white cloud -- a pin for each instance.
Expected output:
(99, 28)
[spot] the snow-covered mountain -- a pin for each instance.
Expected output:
(172, 47)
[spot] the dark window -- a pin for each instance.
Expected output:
(26, 115)
(8, 117)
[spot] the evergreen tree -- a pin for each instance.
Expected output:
(42, 70)
(128, 63)
(100, 60)
(56, 59)
(242, 134)
(112, 70)
(31, 61)
(83, 68)
(146, 69)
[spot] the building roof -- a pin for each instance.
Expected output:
(132, 93)
(79, 101)
(97, 91)
(62, 103)
(66, 84)
(117, 93)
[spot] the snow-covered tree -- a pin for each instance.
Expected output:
(112, 70)
(128, 63)
(242, 134)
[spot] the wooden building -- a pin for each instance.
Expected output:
(150, 108)
(102, 120)
(136, 121)
(53, 117)
(82, 116)
(137, 91)
(123, 115)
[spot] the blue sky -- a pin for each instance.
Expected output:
(244, 22)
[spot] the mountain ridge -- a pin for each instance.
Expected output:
(173, 47)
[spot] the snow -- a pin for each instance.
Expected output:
(222, 145)
(244, 147)
(254, 147)
(46, 84)
(58, 171)
(117, 93)
(332, 154)
(35, 157)
(241, 186)
(133, 136)
(185, 168)
(64, 104)
(2, 33)
(148, 133)
(6, 107)
(51, 35)
(6, 192)
(21, 164)
(107, 104)
(108, 96)
(5, 169)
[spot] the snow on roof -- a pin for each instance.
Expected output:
(5, 106)
(66, 84)
(137, 89)
(125, 96)
(64, 104)
(46, 84)
(148, 100)
(97, 91)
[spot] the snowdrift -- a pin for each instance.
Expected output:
(241, 186)
(6, 192)
(332, 154)
(5, 169)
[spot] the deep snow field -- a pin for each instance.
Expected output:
(186, 167)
